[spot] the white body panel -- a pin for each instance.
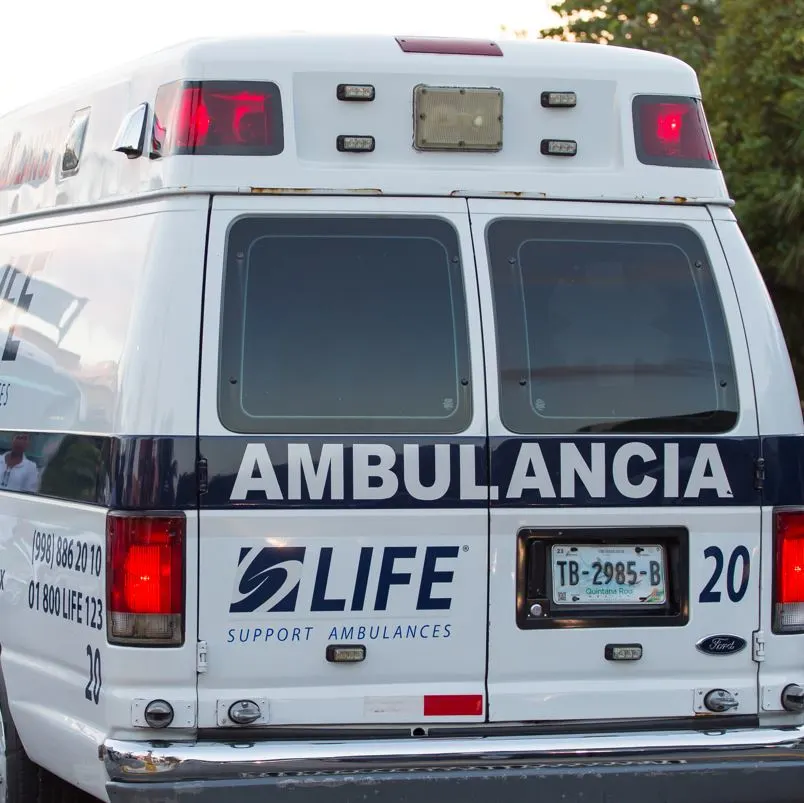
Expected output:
(779, 414)
(64, 706)
(45, 658)
(434, 653)
(563, 675)
(121, 366)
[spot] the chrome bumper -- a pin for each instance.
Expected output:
(178, 762)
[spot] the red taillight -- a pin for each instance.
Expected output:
(219, 117)
(789, 580)
(192, 120)
(145, 578)
(672, 132)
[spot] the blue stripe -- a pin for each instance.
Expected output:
(153, 474)
(225, 456)
(671, 480)
(784, 470)
(110, 472)
(149, 473)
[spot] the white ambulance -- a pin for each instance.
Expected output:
(391, 419)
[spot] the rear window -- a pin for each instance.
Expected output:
(607, 327)
(344, 325)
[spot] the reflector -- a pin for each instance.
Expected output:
(453, 705)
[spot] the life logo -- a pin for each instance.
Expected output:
(269, 581)
(287, 579)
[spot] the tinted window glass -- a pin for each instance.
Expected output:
(608, 327)
(344, 325)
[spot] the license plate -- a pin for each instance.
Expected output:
(610, 574)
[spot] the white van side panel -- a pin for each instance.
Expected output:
(45, 657)
(100, 325)
(68, 689)
(782, 445)
(778, 408)
(114, 362)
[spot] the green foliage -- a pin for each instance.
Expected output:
(750, 60)
(687, 30)
(754, 97)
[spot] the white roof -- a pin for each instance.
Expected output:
(307, 69)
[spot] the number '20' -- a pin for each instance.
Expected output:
(93, 688)
(737, 571)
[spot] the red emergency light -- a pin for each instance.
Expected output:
(672, 132)
(224, 118)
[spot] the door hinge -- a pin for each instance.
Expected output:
(758, 646)
(202, 472)
(759, 473)
(201, 657)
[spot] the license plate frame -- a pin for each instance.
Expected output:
(536, 608)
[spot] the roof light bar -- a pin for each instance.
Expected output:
(358, 92)
(355, 143)
(556, 100)
(559, 147)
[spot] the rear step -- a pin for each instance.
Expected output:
(581, 727)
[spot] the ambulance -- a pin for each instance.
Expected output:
(391, 419)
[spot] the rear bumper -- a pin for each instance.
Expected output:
(744, 766)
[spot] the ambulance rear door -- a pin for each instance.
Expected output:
(625, 523)
(344, 530)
